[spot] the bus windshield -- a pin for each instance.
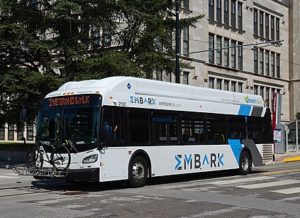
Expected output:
(75, 123)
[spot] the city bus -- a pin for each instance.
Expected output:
(133, 129)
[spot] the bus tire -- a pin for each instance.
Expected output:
(245, 164)
(138, 172)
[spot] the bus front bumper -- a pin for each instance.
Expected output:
(91, 174)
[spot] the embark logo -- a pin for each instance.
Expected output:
(196, 161)
(141, 100)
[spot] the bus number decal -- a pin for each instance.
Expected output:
(196, 161)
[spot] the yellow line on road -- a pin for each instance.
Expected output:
(280, 172)
(291, 159)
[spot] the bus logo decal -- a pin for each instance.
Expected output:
(178, 159)
(194, 161)
(142, 100)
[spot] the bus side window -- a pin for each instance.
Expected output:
(254, 129)
(165, 128)
(236, 127)
(113, 131)
(139, 127)
(216, 129)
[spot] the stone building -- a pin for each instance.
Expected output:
(240, 46)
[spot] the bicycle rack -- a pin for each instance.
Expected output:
(49, 173)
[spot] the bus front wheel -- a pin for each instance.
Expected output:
(138, 172)
(245, 163)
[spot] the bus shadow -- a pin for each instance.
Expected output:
(83, 187)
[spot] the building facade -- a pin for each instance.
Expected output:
(248, 46)
(240, 46)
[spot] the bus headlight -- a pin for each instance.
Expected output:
(90, 159)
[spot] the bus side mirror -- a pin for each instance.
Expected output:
(23, 114)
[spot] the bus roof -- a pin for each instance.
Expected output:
(145, 93)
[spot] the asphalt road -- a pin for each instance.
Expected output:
(270, 191)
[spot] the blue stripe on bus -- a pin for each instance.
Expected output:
(245, 110)
(236, 148)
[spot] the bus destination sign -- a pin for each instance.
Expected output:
(69, 100)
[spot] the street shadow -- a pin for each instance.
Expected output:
(84, 187)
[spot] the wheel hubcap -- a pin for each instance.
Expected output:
(245, 164)
(138, 171)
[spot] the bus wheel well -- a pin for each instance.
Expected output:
(248, 151)
(143, 154)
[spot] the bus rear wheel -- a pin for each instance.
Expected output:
(138, 172)
(245, 163)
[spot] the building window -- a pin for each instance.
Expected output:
(2, 132)
(186, 41)
(96, 37)
(278, 65)
(233, 13)
(255, 90)
(226, 12)
(240, 16)
(233, 54)
(11, 132)
(211, 9)
(267, 26)
(255, 60)
(29, 136)
(277, 29)
(185, 78)
(273, 64)
(211, 53)
(272, 28)
(262, 92)
(219, 50)
(255, 23)
(219, 11)
(267, 100)
(211, 82)
(20, 133)
(240, 56)
(226, 52)
(261, 24)
(159, 75)
(267, 62)
(219, 84)
(226, 85)
(106, 38)
(240, 87)
(233, 86)
(168, 77)
(186, 5)
(261, 61)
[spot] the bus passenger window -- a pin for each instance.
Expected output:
(165, 128)
(192, 129)
(139, 127)
(237, 127)
(216, 129)
(113, 130)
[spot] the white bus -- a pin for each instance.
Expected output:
(125, 128)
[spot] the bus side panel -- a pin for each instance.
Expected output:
(257, 157)
(114, 164)
(172, 160)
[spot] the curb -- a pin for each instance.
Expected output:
(291, 159)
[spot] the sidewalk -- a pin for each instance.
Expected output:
(287, 157)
